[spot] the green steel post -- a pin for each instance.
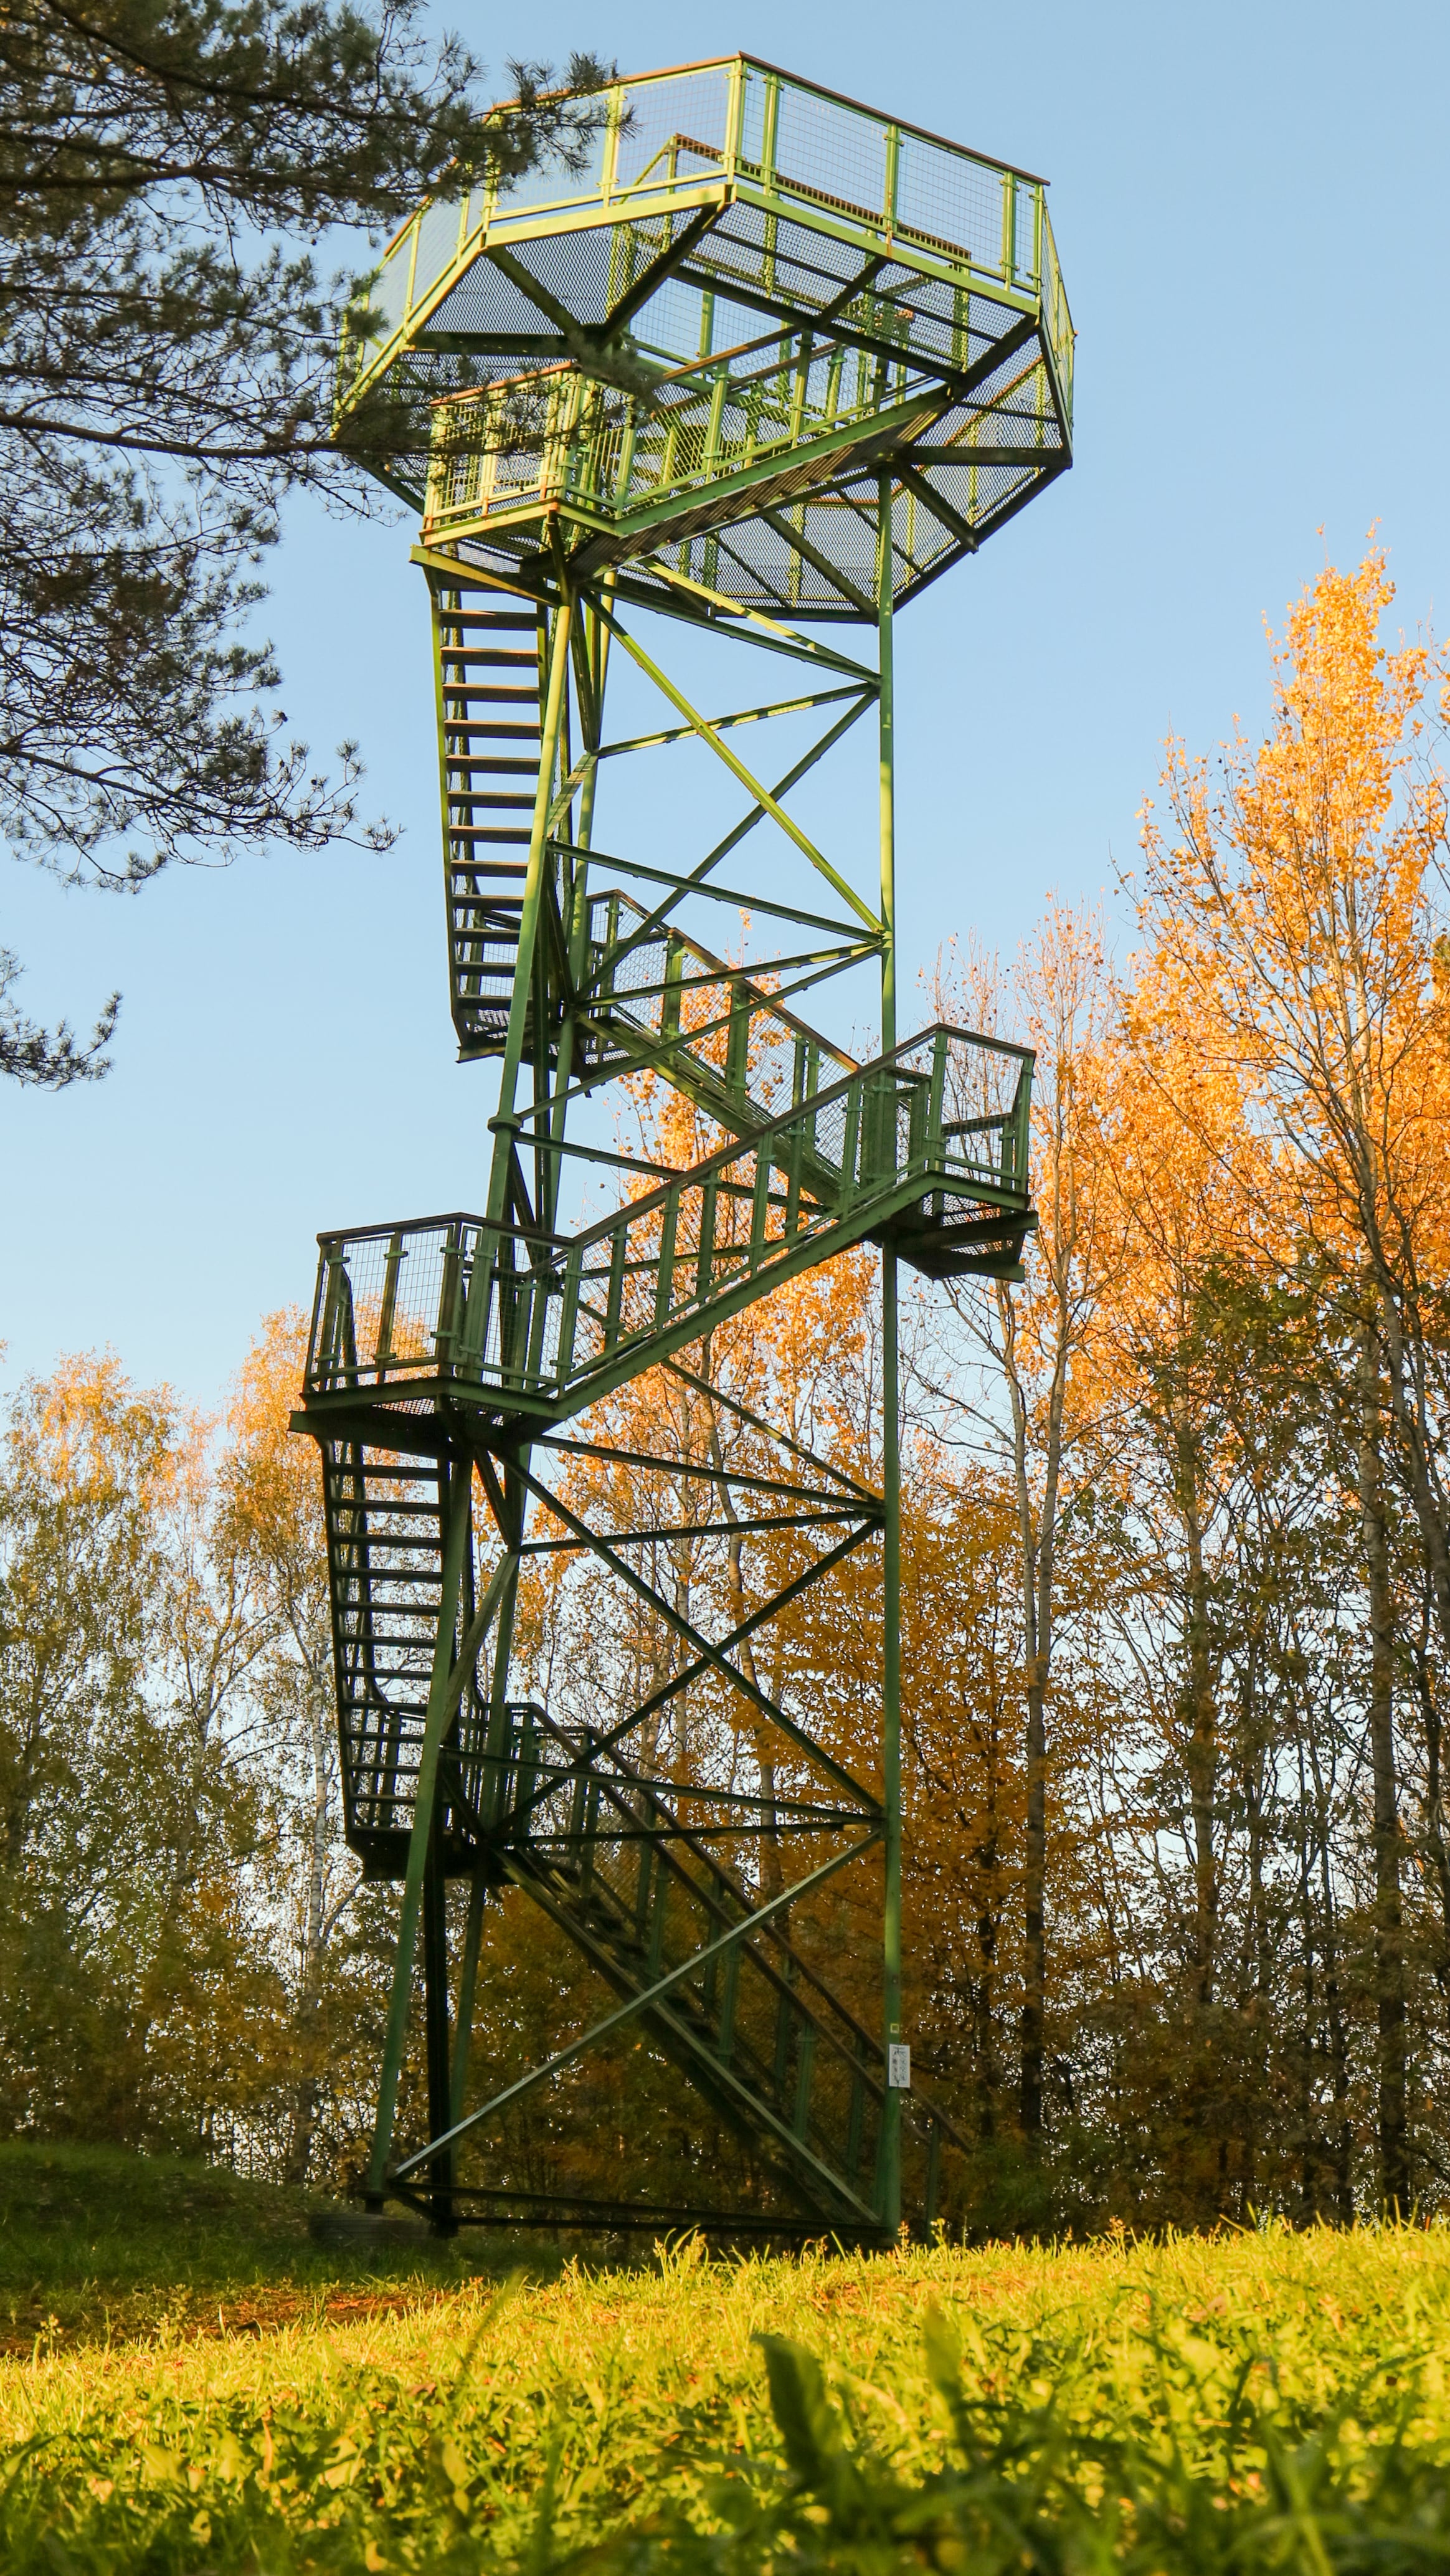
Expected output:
(577, 928)
(435, 2026)
(511, 1530)
(889, 2172)
(467, 1990)
(473, 1642)
(439, 1712)
(533, 906)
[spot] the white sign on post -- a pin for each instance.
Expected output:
(898, 2066)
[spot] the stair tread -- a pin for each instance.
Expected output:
(496, 657)
(497, 728)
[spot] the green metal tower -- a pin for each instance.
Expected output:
(765, 369)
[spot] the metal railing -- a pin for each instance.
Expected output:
(943, 1123)
(738, 126)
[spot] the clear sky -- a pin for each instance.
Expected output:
(1250, 203)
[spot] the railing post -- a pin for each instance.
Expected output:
(1022, 1128)
(338, 1354)
(450, 1284)
(618, 1253)
(760, 1203)
(850, 1142)
(665, 1277)
(673, 978)
(569, 1314)
(705, 1256)
(940, 1046)
(470, 1334)
(387, 1313)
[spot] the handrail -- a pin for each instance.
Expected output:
(826, 166)
(878, 1139)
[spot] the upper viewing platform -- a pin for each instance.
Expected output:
(695, 359)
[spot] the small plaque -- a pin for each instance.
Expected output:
(898, 2066)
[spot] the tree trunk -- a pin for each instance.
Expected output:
(1339, 2150)
(1435, 1844)
(1034, 1891)
(306, 2096)
(1389, 1952)
(1415, 1450)
(1203, 1735)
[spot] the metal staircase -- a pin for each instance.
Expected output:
(716, 1983)
(487, 661)
(747, 399)
(536, 1325)
(735, 2003)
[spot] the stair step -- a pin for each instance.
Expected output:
(501, 621)
(387, 1541)
(466, 689)
(405, 1472)
(497, 657)
(499, 732)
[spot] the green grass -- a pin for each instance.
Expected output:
(96, 2242)
(1250, 2403)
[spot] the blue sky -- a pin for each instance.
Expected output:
(1251, 208)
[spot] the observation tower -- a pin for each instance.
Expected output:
(747, 381)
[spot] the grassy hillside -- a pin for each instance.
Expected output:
(1254, 2403)
(97, 2242)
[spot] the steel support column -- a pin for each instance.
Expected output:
(435, 2013)
(889, 2176)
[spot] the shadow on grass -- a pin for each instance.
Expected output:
(100, 2242)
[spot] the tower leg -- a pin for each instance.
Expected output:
(435, 2008)
(888, 2177)
(467, 1989)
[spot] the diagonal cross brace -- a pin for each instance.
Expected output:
(644, 2002)
(770, 804)
(716, 1656)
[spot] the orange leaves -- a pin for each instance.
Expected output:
(1290, 926)
(93, 1436)
(270, 1489)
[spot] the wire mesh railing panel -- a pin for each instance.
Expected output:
(387, 293)
(812, 143)
(552, 182)
(949, 197)
(668, 120)
(391, 1302)
(439, 239)
(822, 146)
